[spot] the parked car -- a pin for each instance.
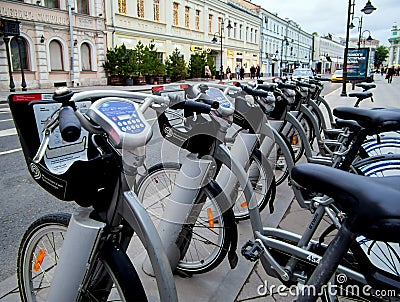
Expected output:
(337, 76)
(302, 72)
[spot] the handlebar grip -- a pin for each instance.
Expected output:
(286, 85)
(193, 106)
(207, 100)
(70, 127)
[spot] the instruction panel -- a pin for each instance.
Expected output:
(60, 155)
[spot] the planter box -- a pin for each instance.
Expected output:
(140, 80)
(116, 80)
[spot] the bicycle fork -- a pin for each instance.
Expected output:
(81, 240)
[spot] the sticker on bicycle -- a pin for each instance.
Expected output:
(60, 155)
(313, 259)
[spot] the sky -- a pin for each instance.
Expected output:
(330, 16)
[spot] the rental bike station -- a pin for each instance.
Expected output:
(185, 217)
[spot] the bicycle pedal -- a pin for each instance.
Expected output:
(252, 250)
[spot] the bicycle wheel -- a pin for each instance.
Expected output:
(296, 143)
(308, 128)
(38, 257)
(263, 185)
(209, 237)
(280, 166)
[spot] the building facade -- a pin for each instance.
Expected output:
(189, 26)
(284, 45)
(60, 42)
(328, 55)
(394, 50)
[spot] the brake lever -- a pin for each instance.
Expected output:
(50, 124)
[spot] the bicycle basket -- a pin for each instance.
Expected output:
(69, 171)
(196, 137)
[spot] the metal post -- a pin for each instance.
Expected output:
(349, 13)
(359, 31)
(71, 36)
(12, 85)
(221, 67)
(23, 82)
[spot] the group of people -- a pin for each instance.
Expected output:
(239, 72)
(390, 72)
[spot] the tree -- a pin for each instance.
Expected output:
(115, 60)
(197, 63)
(176, 66)
(152, 63)
(381, 54)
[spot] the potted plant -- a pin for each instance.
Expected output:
(138, 56)
(114, 65)
(175, 66)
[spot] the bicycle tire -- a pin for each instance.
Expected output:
(259, 184)
(308, 128)
(54, 224)
(53, 227)
(219, 236)
(280, 163)
(296, 143)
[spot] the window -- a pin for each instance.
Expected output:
(251, 35)
(219, 25)
(240, 31)
(51, 3)
(15, 58)
(140, 8)
(56, 55)
(83, 6)
(210, 19)
(187, 16)
(197, 19)
(234, 29)
(156, 10)
(122, 6)
(255, 36)
(176, 15)
(247, 33)
(86, 58)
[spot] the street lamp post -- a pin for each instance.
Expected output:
(287, 43)
(369, 39)
(368, 9)
(215, 40)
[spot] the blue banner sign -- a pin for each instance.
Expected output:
(357, 63)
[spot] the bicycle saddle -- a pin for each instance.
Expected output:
(373, 202)
(361, 95)
(374, 121)
(366, 86)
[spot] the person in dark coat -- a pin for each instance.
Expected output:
(389, 74)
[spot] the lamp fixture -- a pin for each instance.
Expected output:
(368, 8)
(214, 39)
(229, 27)
(42, 39)
(38, 2)
(75, 42)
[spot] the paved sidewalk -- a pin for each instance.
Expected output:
(247, 281)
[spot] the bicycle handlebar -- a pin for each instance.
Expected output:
(70, 127)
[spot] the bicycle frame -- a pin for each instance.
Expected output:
(87, 233)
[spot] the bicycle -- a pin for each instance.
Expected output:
(198, 237)
(88, 167)
(372, 210)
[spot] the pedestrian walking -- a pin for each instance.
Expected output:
(389, 74)
(207, 71)
(237, 72)
(242, 73)
(252, 72)
(258, 69)
(228, 73)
